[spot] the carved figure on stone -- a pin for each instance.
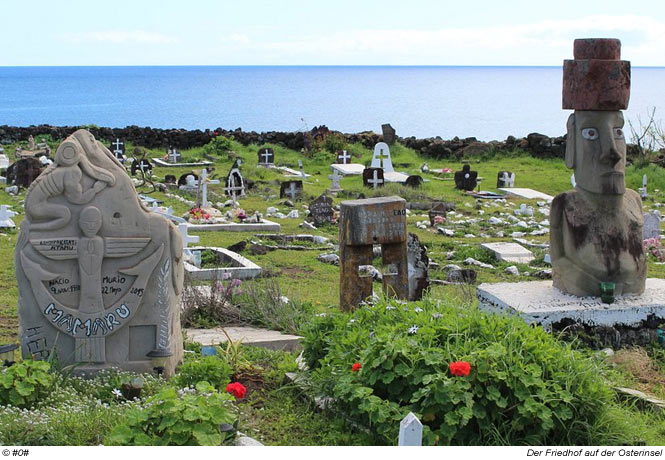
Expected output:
(64, 178)
(596, 229)
(466, 179)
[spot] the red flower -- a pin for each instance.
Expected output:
(237, 389)
(460, 368)
(356, 367)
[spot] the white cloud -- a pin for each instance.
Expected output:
(546, 42)
(120, 37)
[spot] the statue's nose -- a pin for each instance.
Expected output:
(611, 157)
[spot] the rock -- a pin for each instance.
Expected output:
(308, 225)
(512, 270)
(445, 231)
(544, 274)
(451, 267)
(288, 203)
(293, 214)
(495, 221)
(370, 270)
(271, 210)
(331, 258)
(238, 247)
(462, 276)
(472, 261)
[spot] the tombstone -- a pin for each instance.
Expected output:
(364, 223)
(343, 157)
(388, 134)
(505, 179)
(6, 215)
(335, 177)
(235, 184)
(414, 181)
(118, 150)
(31, 142)
(302, 170)
(651, 225)
(643, 189)
(141, 165)
(24, 171)
(373, 177)
(438, 209)
(99, 276)
(466, 179)
(182, 180)
(266, 157)
(381, 157)
(410, 431)
(418, 262)
(291, 189)
(173, 156)
(321, 210)
(170, 179)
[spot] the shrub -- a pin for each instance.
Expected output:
(24, 383)
(187, 417)
(217, 146)
(210, 369)
(524, 387)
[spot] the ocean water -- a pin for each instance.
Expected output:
(485, 102)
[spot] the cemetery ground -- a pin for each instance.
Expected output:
(539, 390)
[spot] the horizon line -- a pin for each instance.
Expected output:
(308, 65)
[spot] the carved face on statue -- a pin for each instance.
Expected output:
(596, 148)
(90, 221)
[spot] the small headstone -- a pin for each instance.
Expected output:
(4, 161)
(388, 134)
(466, 179)
(410, 431)
(302, 170)
(373, 177)
(6, 217)
(438, 209)
(141, 165)
(99, 276)
(170, 179)
(414, 181)
(321, 210)
(266, 156)
(183, 179)
(291, 189)
(173, 156)
(118, 149)
(418, 262)
(343, 157)
(505, 179)
(381, 157)
(335, 177)
(651, 227)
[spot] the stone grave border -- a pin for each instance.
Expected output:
(243, 268)
(166, 164)
(265, 226)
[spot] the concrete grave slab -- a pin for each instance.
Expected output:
(242, 268)
(265, 226)
(539, 302)
(166, 164)
(509, 252)
(526, 193)
(264, 338)
(349, 169)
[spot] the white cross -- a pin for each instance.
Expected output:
(344, 157)
(203, 183)
(186, 239)
(375, 181)
(302, 170)
(5, 216)
(292, 192)
(117, 145)
(172, 155)
(233, 188)
(266, 156)
(335, 178)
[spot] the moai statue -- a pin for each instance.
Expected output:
(364, 223)
(99, 276)
(466, 179)
(596, 229)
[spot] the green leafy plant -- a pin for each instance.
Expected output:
(217, 146)
(186, 417)
(471, 377)
(24, 383)
(212, 369)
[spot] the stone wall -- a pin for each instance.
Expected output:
(538, 145)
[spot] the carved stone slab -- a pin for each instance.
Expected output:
(99, 276)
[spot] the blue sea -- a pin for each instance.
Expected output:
(485, 102)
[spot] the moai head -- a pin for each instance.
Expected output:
(596, 84)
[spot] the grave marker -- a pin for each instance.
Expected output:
(410, 431)
(266, 157)
(335, 177)
(343, 157)
(466, 179)
(373, 177)
(505, 179)
(291, 188)
(6, 215)
(173, 156)
(651, 225)
(414, 181)
(438, 209)
(388, 134)
(203, 187)
(118, 150)
(141, 165)
(321, 210)
(381, 158)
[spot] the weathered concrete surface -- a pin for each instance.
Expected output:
(526, 193)
(264, 338)
(539, 302)
(166, 164)
(265, 226)
(510, 252)
(242, 269)
(349, 169)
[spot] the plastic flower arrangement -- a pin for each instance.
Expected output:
(240, 214)
(652, 246)
(438, 220)
(198, 215)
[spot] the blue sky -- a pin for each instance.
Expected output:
(330, 32)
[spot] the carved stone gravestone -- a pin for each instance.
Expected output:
(321, 210)
(141, 165)
(651, 225)
(381, 157)
(335, 177)
(466, 179)
(290, 189)
(118, 149)
(364, 223)
(24, 171)
(418, 267)
(388, 134)
(373, 177)
(505, 179)
(173, 156)
(182, 180)
(99, 276)
(266, 157)
(235, 184)
(343, 157)
(414, 181)
(438, 209)
(596, 229)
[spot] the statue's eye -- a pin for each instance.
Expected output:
(618, 133)
(590, 134)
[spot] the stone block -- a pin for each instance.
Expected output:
(509, 252)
